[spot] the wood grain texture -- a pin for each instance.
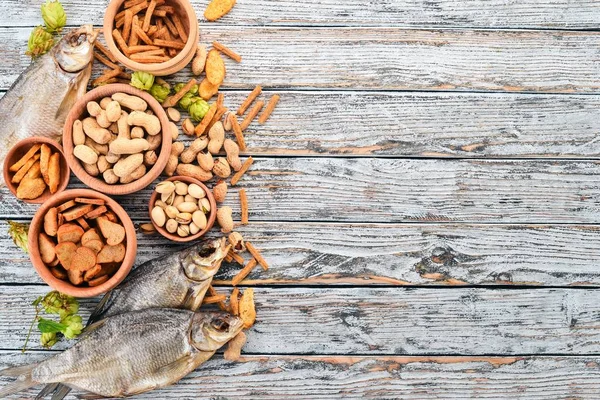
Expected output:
(443, 13)
(398, 190)
(387, 58)
(390, 254)
(268, 377)
(389, 321)
(425, 125)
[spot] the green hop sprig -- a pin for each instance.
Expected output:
(142, 80)
(54, 16)
(40, 41)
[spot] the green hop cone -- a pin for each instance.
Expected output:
(193, 90)
(74, 326)
(186, 101)
(159, 92)
(40, 41)
(142, 80)
(48, 339)
(198, 109)
(54, 16)
(18, 232)
(58, 303)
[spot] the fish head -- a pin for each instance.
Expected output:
(75, 51)
(204, 260)
(212, 330)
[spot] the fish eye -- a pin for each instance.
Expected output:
(79, 39)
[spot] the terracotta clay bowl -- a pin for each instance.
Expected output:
(188, 18)
(37, 226)
(19, 150)
(212, 215)
(79, 111)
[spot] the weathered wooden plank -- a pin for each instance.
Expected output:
(387, 58)
(267, 377)
(391, 321)
(390, 254)
(402, 190)
(426, 125)
(443, 13)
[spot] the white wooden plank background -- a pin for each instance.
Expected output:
(352, 198)
(581, 14)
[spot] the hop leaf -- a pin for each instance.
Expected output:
(159, 92)
(54, 16)
(48, 339)
(40, 41)
(142, 80)
(198, 109)
(73, 324)
(49, 326)
(18, 232)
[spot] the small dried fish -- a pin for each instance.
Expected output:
(132, 353)
(37, 104)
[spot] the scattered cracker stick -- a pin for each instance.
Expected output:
(236, 257)
(141, 48)
(134, 10)
(237, 130)
(213, 293)
(109, 81)
(244, 272)
(227, 258)
(105, 61)
(124, 75)
(133, 37)
(85, 200)
(121, 42)
(105, 51)
(131, 3)
(244, 206)
(214, 299)
(234, 301)
(217, 117)
(17, 166)
(256, 254)
(142, 35)
(220, 100)
(119, 80)
(252, 114)
(127, 25)
(270, 107)
(171, 26)
(251, 97)
(171, 101)
(169, 43)
(180, 28)
(227, 51)
(107, 75)
(236, 177)
(148, 16)
(201, 128)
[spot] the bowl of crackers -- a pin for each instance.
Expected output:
(82, 243)
(35, 169)
(155, 36)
